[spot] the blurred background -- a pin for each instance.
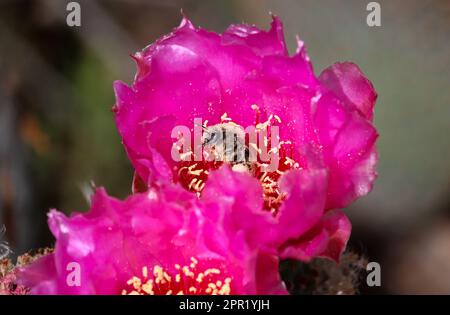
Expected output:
(57, 132)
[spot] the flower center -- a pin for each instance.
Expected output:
(194, 174)
(185, 280)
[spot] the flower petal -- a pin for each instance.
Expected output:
(348, 141)
(304, 204)
(262, 43)
(327, 239)
(348, 83)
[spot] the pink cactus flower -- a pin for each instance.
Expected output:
(246, 76)
(168, 241)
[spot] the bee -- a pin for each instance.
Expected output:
(226, 142)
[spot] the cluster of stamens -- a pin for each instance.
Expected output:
(194, 174)
(186, 280)
(273, 197)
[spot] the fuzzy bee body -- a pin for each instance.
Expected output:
(226, 141)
